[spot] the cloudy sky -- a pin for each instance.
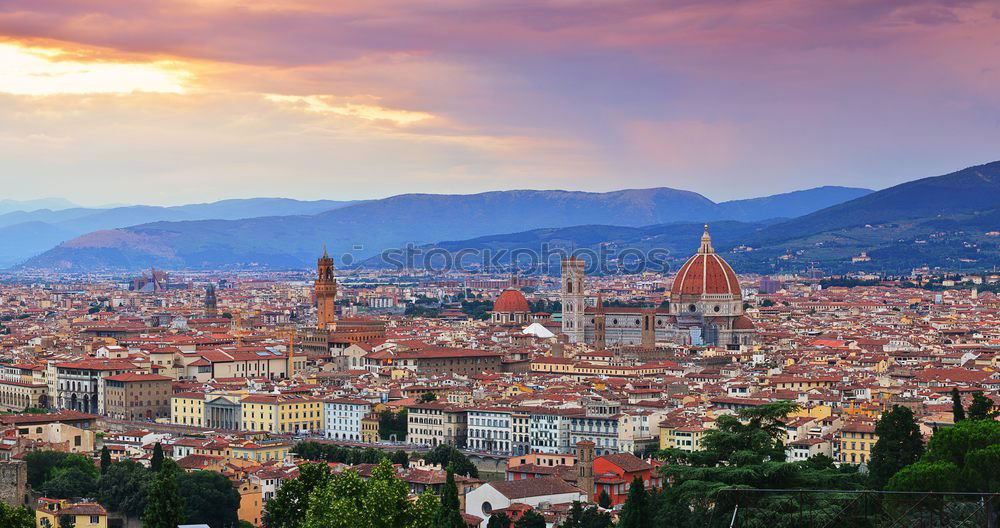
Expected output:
(193, 100)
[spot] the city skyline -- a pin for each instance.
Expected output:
(180, 102)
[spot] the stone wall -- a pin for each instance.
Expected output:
(13, 482)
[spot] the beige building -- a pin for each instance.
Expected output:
(435, 424)
(136, 396)
(60, 437)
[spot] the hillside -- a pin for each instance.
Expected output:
(962, 192)
(659, 247)
(365, 229)
(31, 232)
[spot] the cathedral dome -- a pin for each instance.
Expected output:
(511, 301)
(705, 273)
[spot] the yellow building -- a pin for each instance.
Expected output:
(260, 451)
(815, 411)
(370, 428)
(188, 408)
(84, 514)
(684, 437)
(251, 503)
(281, 413)
(855, 441)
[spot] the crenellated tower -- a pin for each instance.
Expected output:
(325, 289)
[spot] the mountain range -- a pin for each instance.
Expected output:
(28, 232)
(950, 221)
(360, 230)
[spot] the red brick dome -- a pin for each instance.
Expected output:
(511, 301)
(743, 323)
(705, 273)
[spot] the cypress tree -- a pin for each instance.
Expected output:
(157, 462)
(899, 445)
(957, 411)
(635, 512)
(105, 459)
(164, 506)
(449, 515)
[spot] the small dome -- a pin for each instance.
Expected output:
(705, 273)
(743, 323)
(511, 301)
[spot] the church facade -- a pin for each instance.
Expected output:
(706, 308)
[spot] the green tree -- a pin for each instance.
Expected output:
(530, 519)
(450, 514)
(603, 499)
(123, 488)
(635, 511)
(43, 465)
(16, 517)
(981, 408)
(164, 504)
(66, 483)
(209, 498)
(444, 455)
(428, 397)
(392, 424)
(593, 518)
(957, 411)
(590, 517)
(899, 445)
(573, 516)
(157, 461)
(402, 458)
(381, 502)
(745, 451)
(287, 509)
(424, 511)
(499, 520)
(105, 459)
(387, 497)
(965, 458)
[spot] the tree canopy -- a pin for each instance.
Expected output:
(744, 452)
(899, 445)
(123, 487)
(965, 457)
(16, 517)
(209, 498)
(345, 501)
(164, 504)
(445, 455)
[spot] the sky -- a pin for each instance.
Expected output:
(176, 101)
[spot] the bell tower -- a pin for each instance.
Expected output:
(325, 289)
(573, 299)
(600, 327)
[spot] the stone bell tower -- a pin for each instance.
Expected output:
(573, 300)
(325, 289)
